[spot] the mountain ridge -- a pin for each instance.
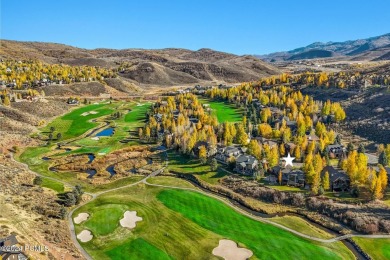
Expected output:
(158, 67)
(372, 48)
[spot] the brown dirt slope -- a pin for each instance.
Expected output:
(165, 67)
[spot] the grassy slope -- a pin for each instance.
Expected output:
(54, 185)
(187, 165)
(225, 112)
(376, 248)
(302, 226)
(266, 241)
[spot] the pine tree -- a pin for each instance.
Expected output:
(383, 160)
(361, 148)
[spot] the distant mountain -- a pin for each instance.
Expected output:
(165, 67)
(374, 48)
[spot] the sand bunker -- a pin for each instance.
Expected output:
(129, 220)
(228, 250)
(95, 138)
(89, 113)
(85, 236)
(80, 218)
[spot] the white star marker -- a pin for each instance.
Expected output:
(289, 160)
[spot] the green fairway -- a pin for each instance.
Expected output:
(266, 241)
(187, 225)
(136, 249)
(74, 124)
(376, 248)
(225, 112)
(137, 113)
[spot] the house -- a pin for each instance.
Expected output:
(339, 181)
(224, 153)
(296, 178)
(7, 252)
(290, 146)
(335, 150)
(246, 164)
(274, 171)
(312, 138)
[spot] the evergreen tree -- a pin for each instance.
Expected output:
(383, 160)
(361, 148)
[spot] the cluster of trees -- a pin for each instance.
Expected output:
(365, 180)
(181, 122)
(73, 197)
(30, 72)
(333, 79)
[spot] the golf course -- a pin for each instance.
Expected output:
(167, 212)
(130, 217)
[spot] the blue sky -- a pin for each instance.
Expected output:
(240, 27)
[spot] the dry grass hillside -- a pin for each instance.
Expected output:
(165, 67)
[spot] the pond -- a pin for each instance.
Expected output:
(91, 157)
(91, 172)
(111, 170)
(106, 132)
(46, 158)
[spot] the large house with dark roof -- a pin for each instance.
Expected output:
(246, 164)
(339, 181)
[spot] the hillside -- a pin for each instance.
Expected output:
(374, 48)
(165, 67)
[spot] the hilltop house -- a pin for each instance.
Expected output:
(339, 181)
(372, 159)
(72, 101)
(296, 178)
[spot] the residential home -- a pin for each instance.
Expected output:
(339, 181)
(224, 153)
(72, 101)
(335, 150)
(296, 178)
(312, 138)
(246, 164)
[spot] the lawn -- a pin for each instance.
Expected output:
(187, 225)
(376, 248)
(224, 111)
(180, 163)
